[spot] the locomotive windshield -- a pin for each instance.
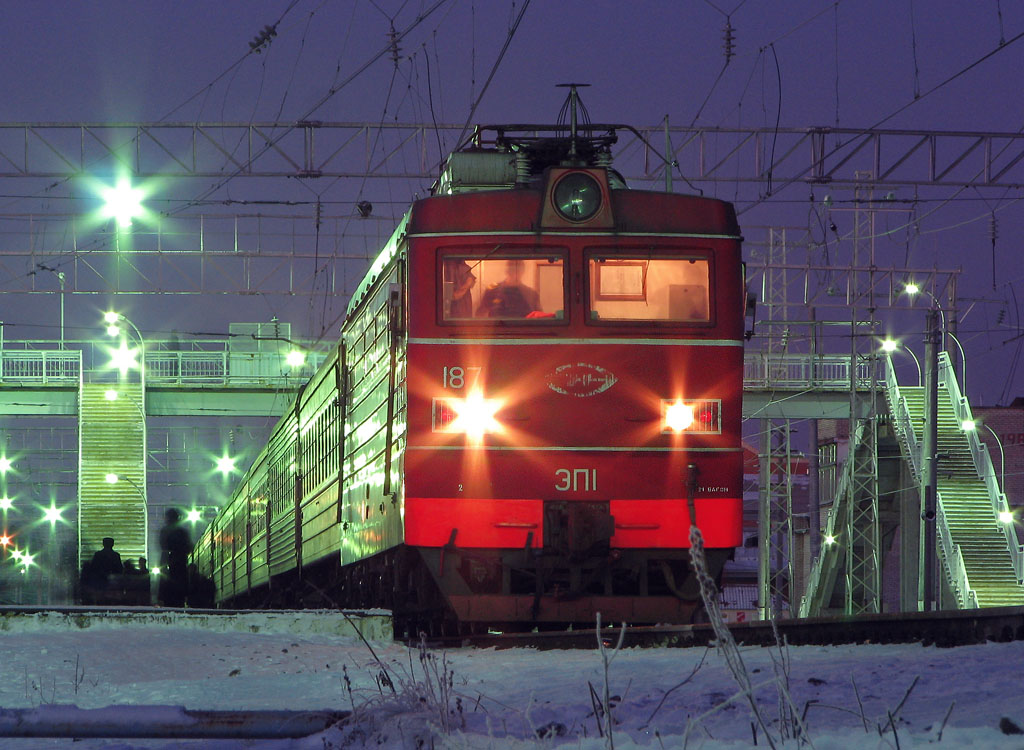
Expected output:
(627, 288)
(522, 287)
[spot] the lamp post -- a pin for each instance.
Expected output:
(113, 478)
(890, 345)
(53, 514)
(913, 289)
(112, 319)
(969, 425)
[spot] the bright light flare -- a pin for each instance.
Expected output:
(124, 358)
(678, 416)
(6, 503)
(830, 540)
(5, 464)
(911, 288)
(194, 516)
(154, 571)
(110, 395)
(122, 202)
(968, 425)
(226, 465)
(5, 540)
(295, 358)
(110, 478)
(890, 345)
(53, 514)
(474, 415)
(1006, 516)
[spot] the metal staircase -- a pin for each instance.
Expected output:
(980, 555)
(832, 558)
(112, 443)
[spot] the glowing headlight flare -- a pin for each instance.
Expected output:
(678, 416)
(474, 415)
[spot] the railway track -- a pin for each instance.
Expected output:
(944, 629)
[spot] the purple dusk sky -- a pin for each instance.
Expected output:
(802, 63)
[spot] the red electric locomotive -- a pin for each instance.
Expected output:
(531, 374)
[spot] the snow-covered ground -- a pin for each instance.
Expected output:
(464, 698)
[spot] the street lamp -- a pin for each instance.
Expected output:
(122, 202)
(891, 345)
(113, 478)
(123, 358)
(913, 289)
(973, 424)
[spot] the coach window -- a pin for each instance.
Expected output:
(649, 288)
(522, 287)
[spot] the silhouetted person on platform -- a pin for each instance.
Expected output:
(106, 562)
(143, 568)
(175, 546)
(96, 574)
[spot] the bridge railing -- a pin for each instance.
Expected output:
(967, 598)
(982, 463)
(764, 370)
(206, 362)
(837, 520)
(41, 367)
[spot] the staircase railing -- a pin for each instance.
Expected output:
(809, 605)
(982, 464)
(967, 598)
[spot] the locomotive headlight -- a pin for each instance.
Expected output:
(677, 416)
(472, 415)
(703, 415)
(577, 196)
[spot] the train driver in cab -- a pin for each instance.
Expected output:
(462, 281)
(509, 298)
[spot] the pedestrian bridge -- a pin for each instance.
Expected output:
(218, 380)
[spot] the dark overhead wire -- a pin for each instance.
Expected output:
(494, 69)
(891, 115)
(272, 142)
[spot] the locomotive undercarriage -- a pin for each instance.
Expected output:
(448, 591)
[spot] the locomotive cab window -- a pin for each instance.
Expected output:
(650, 288)
(526, 288)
